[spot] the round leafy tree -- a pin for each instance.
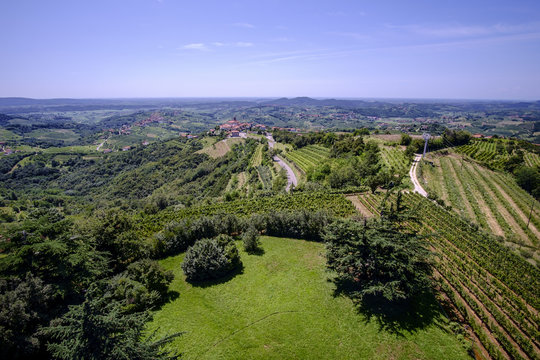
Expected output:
(211, 259)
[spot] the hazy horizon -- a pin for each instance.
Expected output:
(253, 98)
(481, 50)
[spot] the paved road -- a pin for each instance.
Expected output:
(417, 187)
(100, 145)
(271, 141)
(291, 177)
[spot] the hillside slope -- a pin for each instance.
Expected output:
(491, 199)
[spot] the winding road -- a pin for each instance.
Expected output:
(100, 145)
(292, 181)
(412, 173)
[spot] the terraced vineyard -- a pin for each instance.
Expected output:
(256, 159)
(308, 156)
(485, 152)
(396, 159)
(493, 290)
(335, 204)
(265, 176)
(531, 159)
(490, 199)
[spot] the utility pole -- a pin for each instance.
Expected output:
(426, 137)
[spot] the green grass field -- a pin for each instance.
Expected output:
(54, 134)
(282, 306)
(76, 149)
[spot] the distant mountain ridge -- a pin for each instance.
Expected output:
(307, 101)
(21, 105)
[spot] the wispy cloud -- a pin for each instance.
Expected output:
(312, 55)
(195, 46)
(282, 39)
(464, 31)
(216, 44)
(243, 44)
(244, 25)
(273, 57)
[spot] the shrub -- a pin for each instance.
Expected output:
(211, 259)
(141, 286)
(178, 236)
(405, 139)
(133, 295)
(151, 275)
(299, 224)
(250, 238)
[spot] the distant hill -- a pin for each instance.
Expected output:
(4, 119)
(307, 101)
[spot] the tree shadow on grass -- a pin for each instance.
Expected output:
(412, 315)
(170, 296)
(225, 278)
(257, 252)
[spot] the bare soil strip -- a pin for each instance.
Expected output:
(359, 206)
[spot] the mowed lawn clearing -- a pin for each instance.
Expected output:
(282, 306)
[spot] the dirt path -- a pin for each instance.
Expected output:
(412, 173)
(359, 206)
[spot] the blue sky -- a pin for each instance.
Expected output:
(358, 49)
